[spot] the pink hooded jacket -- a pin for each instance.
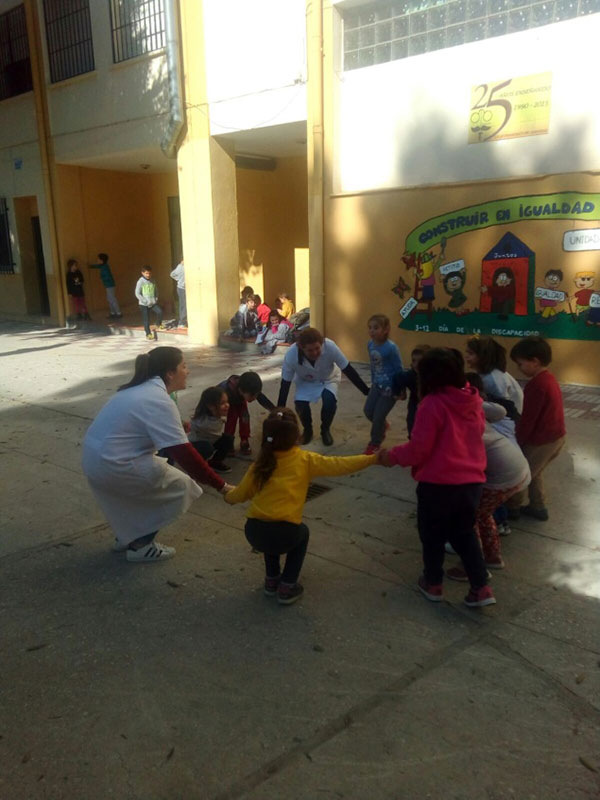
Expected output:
(446, 444)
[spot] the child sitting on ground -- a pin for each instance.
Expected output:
(285, 305)
(241, 390)
(541, 429)
(277, 330)
(386, 367)
(245, 322)
(277, 484)
(262, 310)
(448, 460)
(207, 428)
(408, 380)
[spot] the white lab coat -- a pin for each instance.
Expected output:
(311, 380)
(137, 491)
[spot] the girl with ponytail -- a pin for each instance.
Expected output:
(277, 484)
(137, 491)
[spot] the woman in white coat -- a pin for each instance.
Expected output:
(138, 491)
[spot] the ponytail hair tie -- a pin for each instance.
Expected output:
(269, 438)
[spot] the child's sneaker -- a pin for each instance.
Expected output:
(288, 593)
(150, 553)
(162, 327)
(458, 574)
(477, 598)
(150, 337)
(271, 586)
(433, 592)
(503, 529)
(370, 449)
(245, 449)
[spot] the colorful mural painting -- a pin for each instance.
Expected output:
(504, 291)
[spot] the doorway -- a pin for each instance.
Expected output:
(40, 264)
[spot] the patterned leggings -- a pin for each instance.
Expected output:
(485, 524)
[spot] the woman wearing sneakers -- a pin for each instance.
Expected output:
(138, 491)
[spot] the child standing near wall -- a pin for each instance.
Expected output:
(108, 282)
(277, 484)
(408, 379)
(75, 290)
(386, 367)
(541, 428)
(147, 296)
(241, 390)
(447, 457)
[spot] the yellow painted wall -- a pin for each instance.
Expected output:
(273, 220)
(365, 237)
(120, 213)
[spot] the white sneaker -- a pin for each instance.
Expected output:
(150, 553)
(118, 546)
(449, 549)
(504, 529)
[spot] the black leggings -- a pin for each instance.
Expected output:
(214, 450)
(275, 538)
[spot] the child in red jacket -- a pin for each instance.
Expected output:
(447, 456)
(541, 429)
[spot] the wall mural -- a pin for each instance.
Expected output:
(503, 292)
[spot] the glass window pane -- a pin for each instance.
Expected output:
(518, 20)
(400, 27)
(455, 35)
(366, 36)
(456, 12)
(417, 45)
(383, 31)
(565, 9)
(383, 53)
(366, 57)
(418, 23)
(400, 49)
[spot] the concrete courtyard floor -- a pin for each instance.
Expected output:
(182, 681)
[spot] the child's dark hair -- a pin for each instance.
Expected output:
(274, 313)
(557, 272)
(247, 292)
(154, 364)
(257, 299)
(250, 382)
(532, 347)
(72, 262)
(438, 368)
(103, 257)
(280, 432)
(474, 378)
(420, 349)
(381, 319)
(209, 398)
(490, 353)
(146, 269)
(310, 336)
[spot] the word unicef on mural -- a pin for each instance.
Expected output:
(588, 239)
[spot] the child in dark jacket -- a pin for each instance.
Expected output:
(541, 428)
(75, 289)
(241, 390)
(407, 379)
(108, 282)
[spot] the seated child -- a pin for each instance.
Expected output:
(285, 305)
(541, 429)
(241, 390)
(245, 322)
(277, 483)
(408, 380)
(277, 330)
(206, 428)
(262, 310)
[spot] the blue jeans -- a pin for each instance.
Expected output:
(157, 310)
(377, 406)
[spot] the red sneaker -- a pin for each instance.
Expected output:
(431, 591)
(477, 598)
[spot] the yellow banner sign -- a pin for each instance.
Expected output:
(511, 108)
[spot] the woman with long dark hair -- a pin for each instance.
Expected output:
(138, 491)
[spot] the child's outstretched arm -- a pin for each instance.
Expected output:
(244, 490)
(338, 465)
(422, 442)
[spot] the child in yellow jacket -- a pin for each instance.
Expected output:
(277, 483)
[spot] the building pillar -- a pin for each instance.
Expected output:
(208, 201)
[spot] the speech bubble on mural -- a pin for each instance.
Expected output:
(408, 307)
(452, 266)
(585, 239)
(595, 300)
(549, 294)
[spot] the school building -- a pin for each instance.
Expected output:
(435, 161)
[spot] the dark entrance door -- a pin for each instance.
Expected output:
(40, 265)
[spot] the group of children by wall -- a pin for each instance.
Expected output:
(477, 442)
(254, 319)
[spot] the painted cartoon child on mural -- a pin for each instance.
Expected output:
(552, 280)
(584, 281)
(425, 266)
(454, 283)
(503, 292)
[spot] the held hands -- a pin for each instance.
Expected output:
(227, 487)
(187, 425)
(383, 458)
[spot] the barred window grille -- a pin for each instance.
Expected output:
(15, 67)
(69, 37)
(386, 31)
(138, 27)
(7, 266)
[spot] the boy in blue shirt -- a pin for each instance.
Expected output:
(108, 281)
(386, 366)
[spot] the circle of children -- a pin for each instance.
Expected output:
(477, 444)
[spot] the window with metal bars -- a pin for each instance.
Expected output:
(15, 67)
(138, 27)
(388, 30)
(69, 38)
(7, 266)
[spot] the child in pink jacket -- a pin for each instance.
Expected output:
(447, 456)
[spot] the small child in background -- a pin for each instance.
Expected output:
(75, 290)
(241, 390)
(245, 322)
(409, 380)
(447, 457)
(207, 428)
(277, 484)
(541, 428)
(262, 310)
(108, 282)
(147, 297)
(386, 366)
(278, 329)
(285, 305)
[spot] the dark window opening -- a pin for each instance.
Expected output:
(69, 38)
(7, 266)
(15, 67)
(138, 27)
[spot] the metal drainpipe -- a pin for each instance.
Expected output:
(176, 117)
